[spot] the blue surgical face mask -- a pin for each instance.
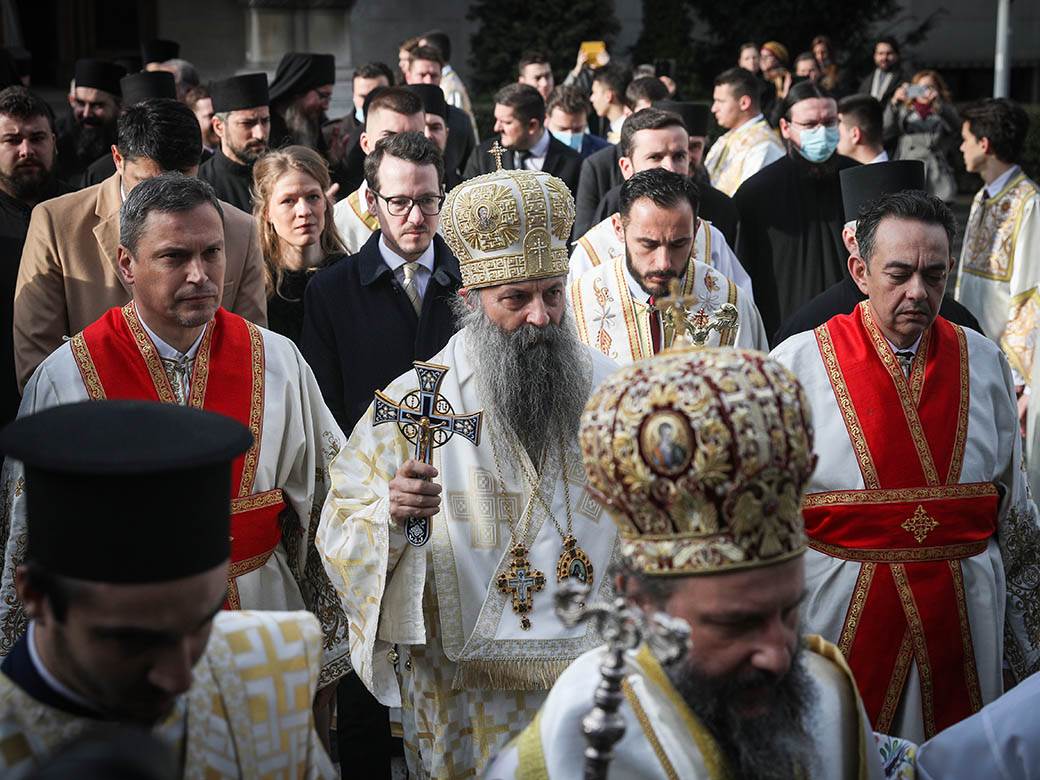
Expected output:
(818, 144)
(569, 138)
(359, 114)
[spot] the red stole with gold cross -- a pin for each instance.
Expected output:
(912, 524)
(117, 360)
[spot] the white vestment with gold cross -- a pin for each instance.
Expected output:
(740, 153)
(601, 245)
(664, 740)
(611, 319)
(430, 630)
(248, 714)
(999, 583)
(354, 221)
(298, 439)
(999, 271)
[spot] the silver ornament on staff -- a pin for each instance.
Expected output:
(426, 419)
(623, 627)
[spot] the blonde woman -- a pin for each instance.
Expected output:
(297, 232)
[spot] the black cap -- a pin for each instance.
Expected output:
(864, 183)
(239, 92)
(159, 50)
(298, 72)
(99, 74)
(138, 87)
(694, 115)
(432, 97)
(136, 492)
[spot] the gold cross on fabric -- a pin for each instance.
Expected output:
(920, 524)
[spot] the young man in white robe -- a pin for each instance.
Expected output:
(174, 344)
(749, 143)
(999, 273)
(390, 110)
(461, 633)
(618, 305)
(653, 138)
(924, 539)
(718, 551)
(124, 578)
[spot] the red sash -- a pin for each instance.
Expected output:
(912, 524)
(117, 360)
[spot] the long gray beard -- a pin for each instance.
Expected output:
(773, 746)
(535, 381)
(303, 129)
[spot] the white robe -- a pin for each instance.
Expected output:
(1000, 741)
(611, 319)
(1001, 602)
(601, 245)
(467, 676)
(740, 153)
(354, 221)
(299, 439)
(663, 738)
(999, 272)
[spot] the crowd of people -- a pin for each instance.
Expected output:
(316, 420)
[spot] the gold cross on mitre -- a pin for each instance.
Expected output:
(496, 151)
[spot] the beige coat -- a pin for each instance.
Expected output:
(69, 275)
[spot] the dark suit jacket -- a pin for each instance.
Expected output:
(599, 173)
(590, 144)
(897, 80)
(716, 207)
(360, 331)
(561, 161)
(461, 143)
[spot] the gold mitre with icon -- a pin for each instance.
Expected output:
(509, 226)
(701, 456)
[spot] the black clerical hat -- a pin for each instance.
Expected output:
(159, 50)
(147, 84)
(864, 183)
(694, 115)
(432, 97)
(299, 72)
(127, 491)
(239, 92)
(99, 74)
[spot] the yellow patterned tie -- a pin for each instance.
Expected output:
(411, 288)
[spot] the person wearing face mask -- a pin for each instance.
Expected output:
(567, 118)
(790, 211)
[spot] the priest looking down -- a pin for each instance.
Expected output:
(174, 343)
(653, 138)
(461, 633)
(617, 305)
(242, 122)
(924, 539)
(718, 550)
(125, 617)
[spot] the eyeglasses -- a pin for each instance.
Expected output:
(830, 125)
(400, 206)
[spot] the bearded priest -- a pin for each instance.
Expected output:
(719, 550)
(924, 539)
(461, 633)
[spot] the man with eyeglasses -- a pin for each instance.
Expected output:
(791, 211)
(387, 110)
(367, 317)
(300, 96)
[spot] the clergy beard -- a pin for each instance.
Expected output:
(248, 154)
(303, 129)
(94, 141)
(535, 380)
(809, 170)
(774, 745)
(28, 182)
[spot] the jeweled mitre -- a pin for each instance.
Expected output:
(509, 226)
(701, 456)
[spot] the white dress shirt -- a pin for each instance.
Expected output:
(396, 264)
(535, 159)
(994, 187)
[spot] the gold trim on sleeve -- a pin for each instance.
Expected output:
(87, 369)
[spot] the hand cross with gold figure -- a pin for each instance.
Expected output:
(682, 329)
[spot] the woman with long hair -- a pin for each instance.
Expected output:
(297, 233)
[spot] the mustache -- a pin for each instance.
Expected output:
(200, 291)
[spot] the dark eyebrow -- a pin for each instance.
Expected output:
(150, 635)
(747, 616)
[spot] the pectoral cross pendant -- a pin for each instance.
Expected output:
(522, 581)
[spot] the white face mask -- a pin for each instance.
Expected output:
(570, 138)
(359, 114)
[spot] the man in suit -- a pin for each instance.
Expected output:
(68, 276)
(599, 174)
(888, 74)
(367, 317)
(520, 123)
(567, 118)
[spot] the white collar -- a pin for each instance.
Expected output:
(362, 200)
(883, 157)
(749, 123)
(395, 261)
(912, 349)
(615, 125)
(994, 187)
(164, 349)
(53, 682)
(541, 146)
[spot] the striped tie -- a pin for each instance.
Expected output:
(411, 287)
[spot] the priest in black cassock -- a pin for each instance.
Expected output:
(90, 130)
(859, 187)
(790, 211)
(242, 122)
(300, 95)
